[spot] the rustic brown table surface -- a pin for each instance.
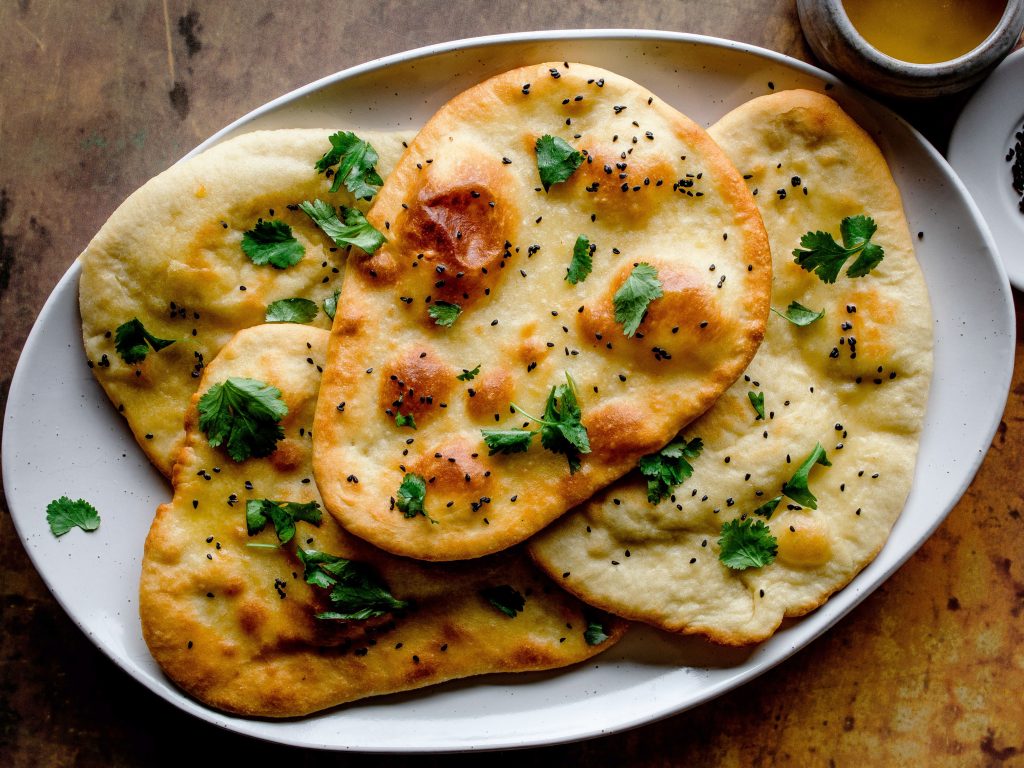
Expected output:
(97, 97)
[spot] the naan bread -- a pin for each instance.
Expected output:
(469, 223)
(171, 256)
(234, 625)
(856, 381)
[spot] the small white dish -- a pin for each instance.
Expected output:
(978, 148)
(61, 435)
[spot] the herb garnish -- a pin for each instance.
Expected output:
(244, 414)
(757, 400)
(505, 598)
(825, 257)
(355, 231)
(747, 544)
(410, 497)
(282, 513)
(667, 468)
(331, 304)
(561, 429)
(444, 313)
(272, 242)
(355, 159)
(595, 633)
(63, 514)
(468, 375)
(405, 421)
(633, 297)
(766, 509)
(131, 339)
(800, 315)
(797, 488)
(582, 260)
(295, 310)
(357, 593)
(556, 160)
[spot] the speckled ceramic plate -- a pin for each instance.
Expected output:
(61, 435)
(982, 137)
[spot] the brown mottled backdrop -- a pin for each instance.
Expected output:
(98, 96)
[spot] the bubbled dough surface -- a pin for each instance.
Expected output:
(819, 550)
(521, 320)
(256, 653)
(167, 243)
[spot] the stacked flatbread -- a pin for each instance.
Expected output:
(855, 381)
(171, 256)
(472, 222)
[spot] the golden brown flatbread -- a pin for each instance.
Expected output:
(855, 381)
(475, 230)
(234, 624)
(171, 257)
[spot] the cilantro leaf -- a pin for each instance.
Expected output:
(667, 468)
(282, 513)
(444, 313)
(331, 304)
(582, 260)
(821, 254)
(291, 311)
(411, 494)
(355, 159)
(244, 414)
(800, 315)
(633, 297)
(505, 598)
(797, 488)
(63, 514)
(757, 400)
(562, 429)
(272, 242)
(747, 544)
(405, 421)
(357, 593)
(131, 339)
(507, 440)
(556, 160)
(595, 633)
(355, 230)
(468, 375)
(768, 508)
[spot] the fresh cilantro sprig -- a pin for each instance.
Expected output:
(800, 315)
(132, 341)
(444, 313)
(411, 496)
(408, 420)
(295, 310)
(331, 304)
(757, 400)
(505, 598)
(669, 467)
(635, 295)
(797, 488)
(561, 428)
(283, 514)
(355, 159)
(355, 230)
(556, 160)
(595, 633)
(468, 374)
(821, 254)
(63, 514)
(357, 593)
(582, 263)
(243, 415)
(272, 242)
(747, 544)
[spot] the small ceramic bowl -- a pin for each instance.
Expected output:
(840, 46)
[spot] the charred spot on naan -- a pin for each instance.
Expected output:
(490, 393)
(454, 470)
(415, 383)
(624, 188)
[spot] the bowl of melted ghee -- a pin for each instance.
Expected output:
(912, 48)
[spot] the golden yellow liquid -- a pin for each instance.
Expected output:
(924, 31)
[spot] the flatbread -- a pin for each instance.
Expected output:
(856, 381)
(469, 223)
(171, 256)
(233, 625)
